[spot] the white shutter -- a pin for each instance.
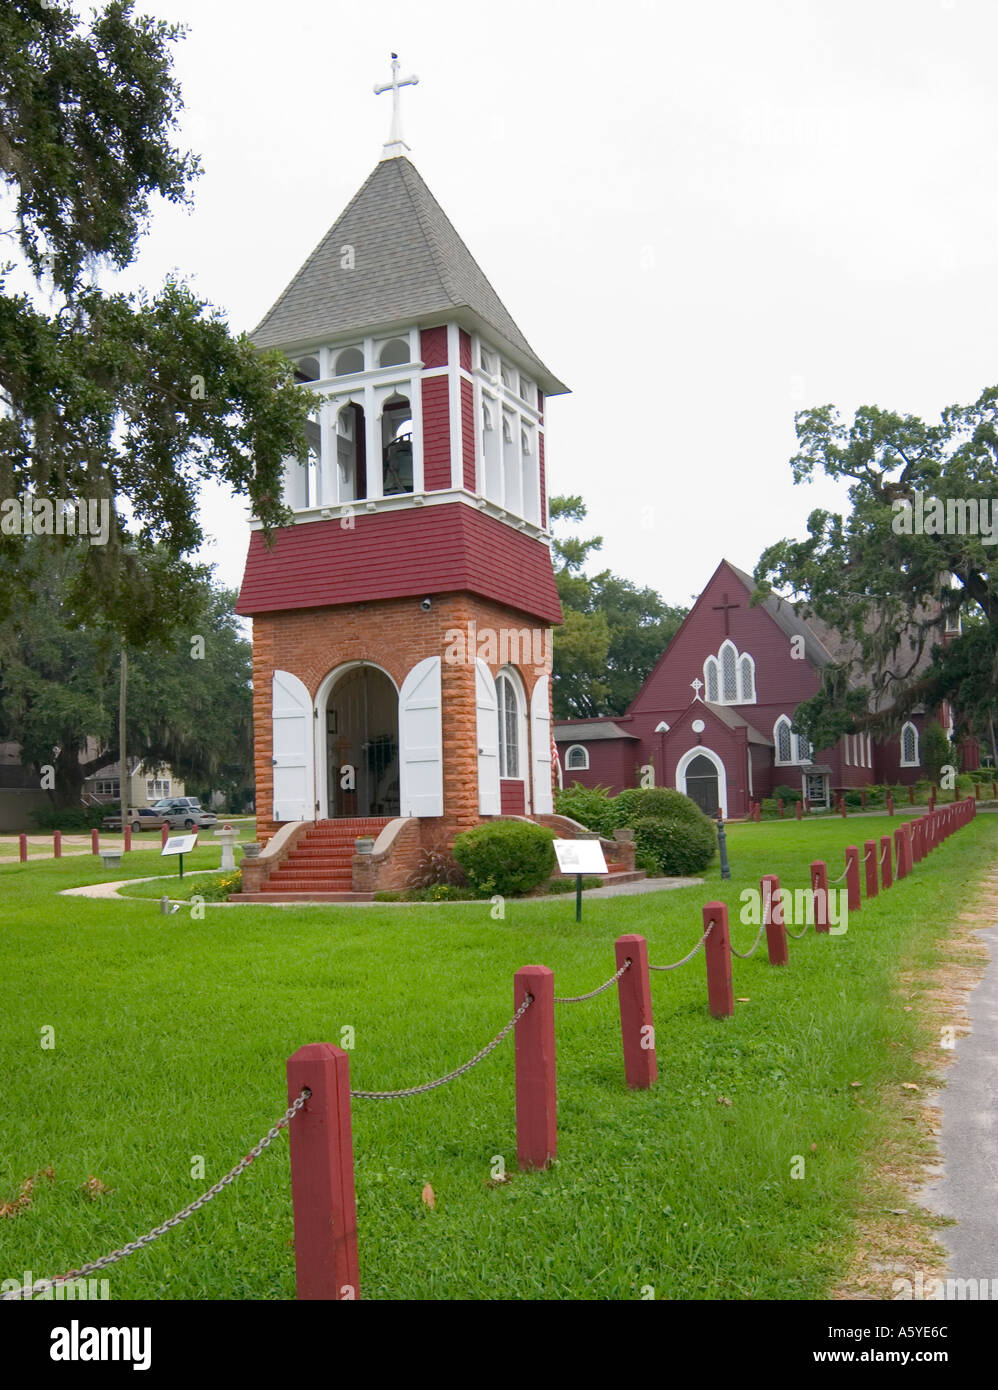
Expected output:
(488, 740)
(540, 746)
(421, 752)
(294, 771)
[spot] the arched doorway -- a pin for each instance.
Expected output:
(701, 776)
(361, 717)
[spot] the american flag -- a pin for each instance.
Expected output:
(555, 760)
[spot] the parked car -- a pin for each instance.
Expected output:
(139, 818)
(184, 811)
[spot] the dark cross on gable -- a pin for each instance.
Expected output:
(726, 605)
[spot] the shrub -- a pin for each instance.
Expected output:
(567, 885)
(789, 794)
(678, 847)
(592, 807)
(853, 796)
(507, 857)
(769, 807)
(637, 803)
(75, 820)
(436, 868)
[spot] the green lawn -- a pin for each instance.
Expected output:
(171, 1036)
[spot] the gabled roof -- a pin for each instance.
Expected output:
(409, 265)
(589, 731)
(787, 620)
(735, 721)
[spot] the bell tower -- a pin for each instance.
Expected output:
(401, 624)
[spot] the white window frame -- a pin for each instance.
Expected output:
(783, 762)
(576, 748)
(523, 750)
(906, 762)
(711, 667)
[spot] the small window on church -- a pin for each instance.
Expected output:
(909, 746)
(507, 376)
(804, 749)
(711, 680)
(526, 390)
(486, 360)
(394, 353)
(577, 759)
(350, 360)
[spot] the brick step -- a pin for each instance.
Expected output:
(312, 870)
(322, 852)
(308, 885)
(301, 897)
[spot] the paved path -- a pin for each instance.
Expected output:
(968, 1188)
(612, 890)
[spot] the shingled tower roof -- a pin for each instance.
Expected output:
(410, 265)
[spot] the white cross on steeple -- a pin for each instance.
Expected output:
(697, 687)
(396, 145)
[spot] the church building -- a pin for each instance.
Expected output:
(715, 716)
(401, 625)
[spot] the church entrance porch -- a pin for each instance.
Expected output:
(361, 722)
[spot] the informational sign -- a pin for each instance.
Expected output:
(179, 844)
(580, 857)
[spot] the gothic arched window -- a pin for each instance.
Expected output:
(782, 740)
(909, 746)
(729, 677)
(711, 681)
(746, 680)
(509, 725)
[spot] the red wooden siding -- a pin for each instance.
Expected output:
(464, 340)
(433, 346)
(468, 434)
(512, 800)
(416, 551)
(436, 433)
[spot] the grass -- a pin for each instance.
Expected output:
(171, 1035)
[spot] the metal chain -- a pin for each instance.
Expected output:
(746, 955)
(578, 998)
(696, 948)
(458, 1071)
(196, 1205)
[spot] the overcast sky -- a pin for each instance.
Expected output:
(703, 216)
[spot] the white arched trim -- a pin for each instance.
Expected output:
(697, 751)
(523, 747)
(712, 681)
(909, 734)
(783, 723)
(582, 766)
(326, 686)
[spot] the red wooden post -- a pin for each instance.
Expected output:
(819, 891)
(994, 788)
(322, 1187)
(772, 915)
(886, 866)
(637, 1030)
(720, 991)
(779, 806)
(977, 791)
(862, 797)
(870, 851)
(536, 1093)
(164, 833)
(917, 840)
(95, 842)
(933, 793)
(807, 805)
(899, 855)
(852, 878)
(128, 838)
(911, 793)
(890, 804)
(799, 809)
(22, 848)
(842, 806)
(57, 844)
